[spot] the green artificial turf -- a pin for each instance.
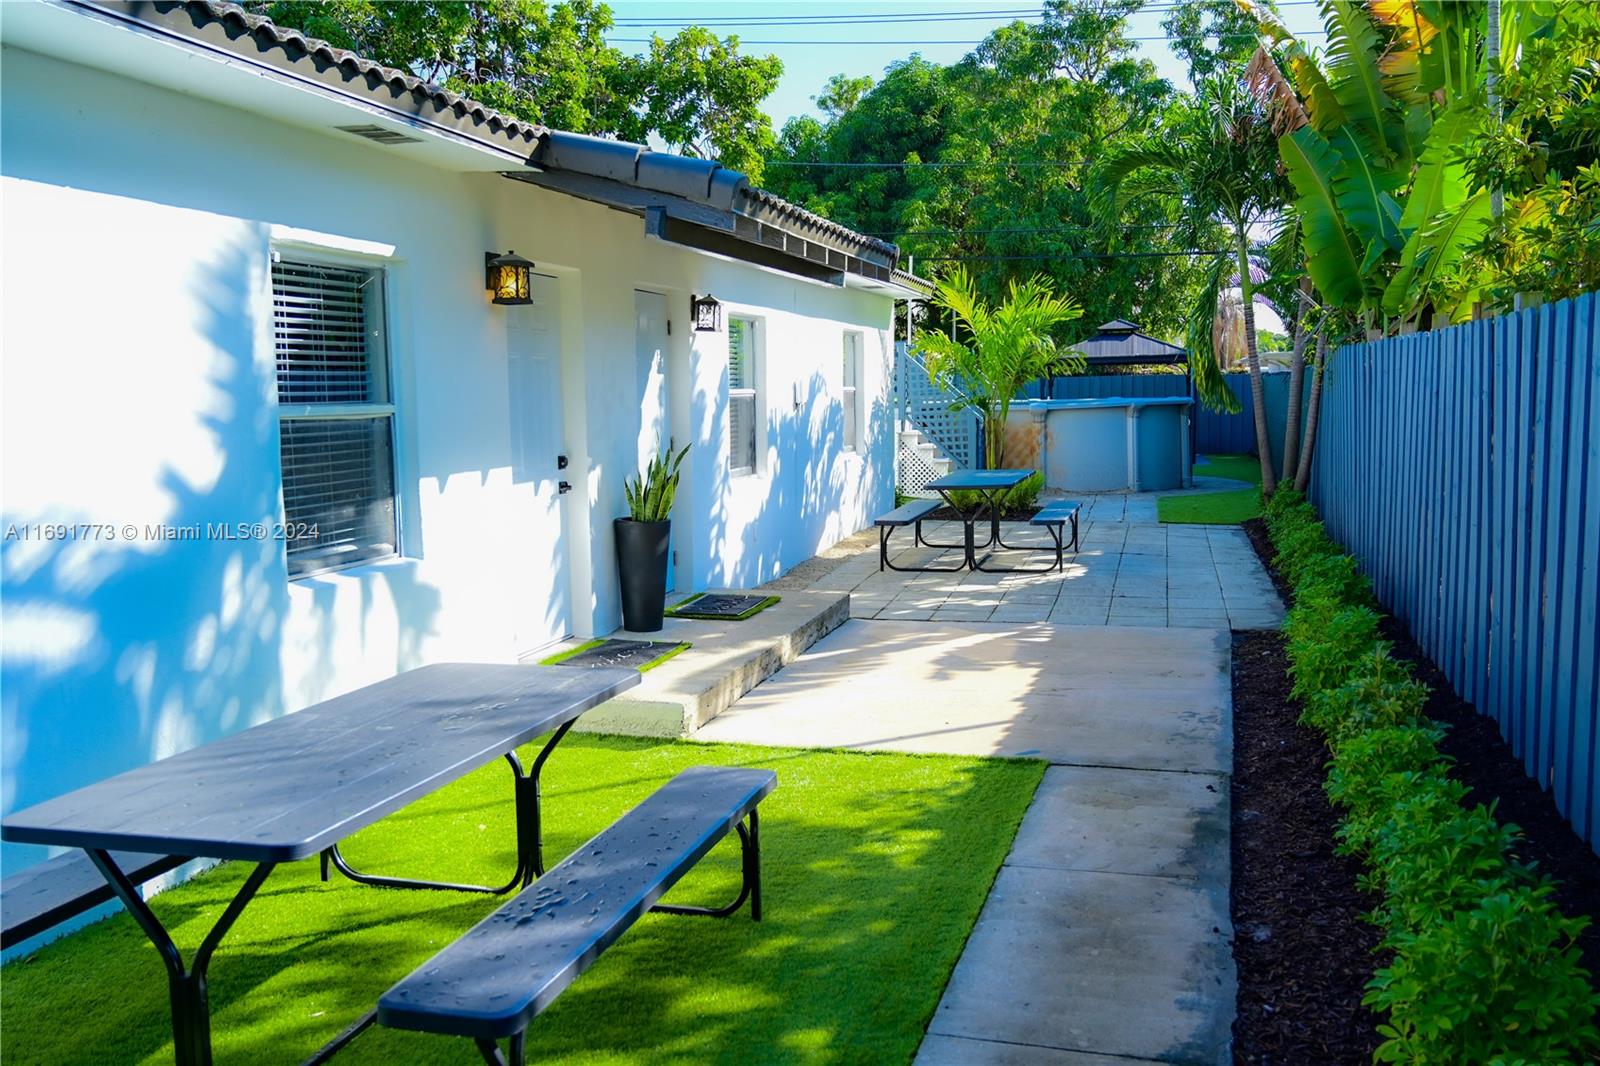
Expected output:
(1217, 508)
(874, 869)
(563, 656)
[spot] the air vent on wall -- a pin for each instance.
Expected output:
(381, 135)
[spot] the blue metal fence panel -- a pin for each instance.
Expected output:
(1462, 468)
(1100, 386)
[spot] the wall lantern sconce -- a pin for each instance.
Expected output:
(507, 276)
(706, 314)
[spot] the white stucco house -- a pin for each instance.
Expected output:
(244, 286)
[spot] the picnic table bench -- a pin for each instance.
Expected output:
(509, 968)
(296, 786)
(64, 886)
(907, 514)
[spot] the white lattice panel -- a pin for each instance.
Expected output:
(914, 470)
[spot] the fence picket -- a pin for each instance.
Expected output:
(1462, 468)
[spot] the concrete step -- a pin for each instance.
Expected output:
(724, 661)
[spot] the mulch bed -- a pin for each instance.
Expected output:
(1303, 951)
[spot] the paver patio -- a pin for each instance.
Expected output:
(1132, 570)
(1106, 935)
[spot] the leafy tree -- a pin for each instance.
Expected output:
(704, 99)
(1220, 164)
(1394, 153)
(1008, 345)
(1542, 153)
(1211, 36)
(550, 63)
(841, 94)
(1010, 129)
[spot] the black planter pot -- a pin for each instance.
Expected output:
(642, 572)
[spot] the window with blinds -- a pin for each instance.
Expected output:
(850, 392)
(336, 427)
(743, 411)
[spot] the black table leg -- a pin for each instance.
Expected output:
(969, 539)
(530, 835)
(191, 1008)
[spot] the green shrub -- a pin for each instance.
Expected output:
(1377, 693)
(1336, 576)
(1484, 968)
(1023, 496)
(1359, 773)
(1429, 856)
(1495, 982)
(1324, 660)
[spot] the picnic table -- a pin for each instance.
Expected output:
(990, 485)
(296, 786)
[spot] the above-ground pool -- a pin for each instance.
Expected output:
(1111, 444)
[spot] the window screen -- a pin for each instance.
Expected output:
(335, 421)
(850, 394)
(743, 421)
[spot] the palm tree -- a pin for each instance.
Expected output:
(1219, 165)
(1010, 344)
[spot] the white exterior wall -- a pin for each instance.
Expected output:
(139, 390)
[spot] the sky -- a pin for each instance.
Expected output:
(866, 48)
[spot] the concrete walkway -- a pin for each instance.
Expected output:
(1105, 937)
(1131, 570)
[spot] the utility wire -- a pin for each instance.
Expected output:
(880, 16)
(928, 41)
(1072, 255)
(1023, 229)
(974, 163)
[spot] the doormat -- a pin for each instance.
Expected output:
(640, 655)
(721, 607)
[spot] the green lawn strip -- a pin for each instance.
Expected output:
(874, 870)
(686, 610)
(1227, 508)
(1236, 467)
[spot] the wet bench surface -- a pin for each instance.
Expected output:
(47, 894)
(507, 969)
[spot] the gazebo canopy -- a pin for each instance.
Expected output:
(1119, 343)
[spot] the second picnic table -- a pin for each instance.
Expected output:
(991, 485)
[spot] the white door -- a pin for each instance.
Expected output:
(650, 384)
(533, 362)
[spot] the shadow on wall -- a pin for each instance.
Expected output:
(117, 652)
(810, 483)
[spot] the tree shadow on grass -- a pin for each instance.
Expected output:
(875, 867)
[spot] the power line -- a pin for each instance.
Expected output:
(837, 20)
(884, 17)
(962, 163)
(1024, 229)
(1069, 255)
(928, 41)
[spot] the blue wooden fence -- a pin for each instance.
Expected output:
(1462, 467)
(1216, 433)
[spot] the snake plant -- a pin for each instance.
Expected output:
(650, 495)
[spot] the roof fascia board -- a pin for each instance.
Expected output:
(144, 19)
(621, 196)
(661, 225)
